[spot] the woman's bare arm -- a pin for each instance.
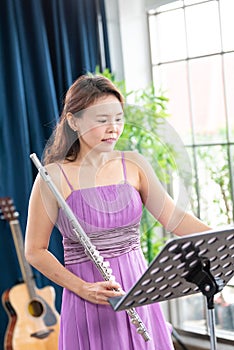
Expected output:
(155, 198)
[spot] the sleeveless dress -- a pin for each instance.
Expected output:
(110, 216)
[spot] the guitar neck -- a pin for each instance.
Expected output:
(26, 269)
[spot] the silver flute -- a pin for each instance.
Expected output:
(90, 249)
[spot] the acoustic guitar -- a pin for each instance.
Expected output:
(33, 320)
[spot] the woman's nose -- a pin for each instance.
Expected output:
(112, 126)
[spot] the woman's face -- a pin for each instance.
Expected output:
(101, 124)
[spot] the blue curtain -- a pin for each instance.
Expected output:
(44, 46)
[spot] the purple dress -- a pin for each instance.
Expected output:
(110, 215)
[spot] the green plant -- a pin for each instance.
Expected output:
(143, 116)
(214, 165)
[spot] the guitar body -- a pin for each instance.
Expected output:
(38, 329)
(12, 320)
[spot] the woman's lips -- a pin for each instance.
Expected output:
(109, 140)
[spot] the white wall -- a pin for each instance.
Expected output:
(114, 36)
(129, 40)
(135, 43)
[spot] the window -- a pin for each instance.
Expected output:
(192, 53)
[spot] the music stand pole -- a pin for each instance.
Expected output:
(211, 323)
(202, 262)
(209, 286)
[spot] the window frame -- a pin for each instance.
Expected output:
(172, 307)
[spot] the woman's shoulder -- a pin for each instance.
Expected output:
(57, 167)
(139, 162)
(134, 156)
(55, 170)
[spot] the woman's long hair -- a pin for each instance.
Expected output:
(64, 143)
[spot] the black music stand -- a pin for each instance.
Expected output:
(204, 259)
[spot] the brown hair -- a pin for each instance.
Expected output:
(64, 143)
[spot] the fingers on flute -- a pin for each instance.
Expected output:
(112, 285)
(100, 292)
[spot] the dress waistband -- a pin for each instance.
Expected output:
(110, 243)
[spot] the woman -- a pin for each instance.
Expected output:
(105, 189)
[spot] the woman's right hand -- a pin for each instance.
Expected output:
(100, 292)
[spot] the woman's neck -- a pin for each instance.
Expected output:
(93, 158)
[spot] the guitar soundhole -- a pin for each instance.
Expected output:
(35, 308)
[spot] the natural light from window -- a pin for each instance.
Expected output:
(192, 53)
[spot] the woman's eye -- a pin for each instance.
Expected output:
(102, 121)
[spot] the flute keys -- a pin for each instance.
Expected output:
(106, 264)
(94, 251)
(135, 322)
(100, 259)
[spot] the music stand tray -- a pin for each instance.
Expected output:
(201, 262)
